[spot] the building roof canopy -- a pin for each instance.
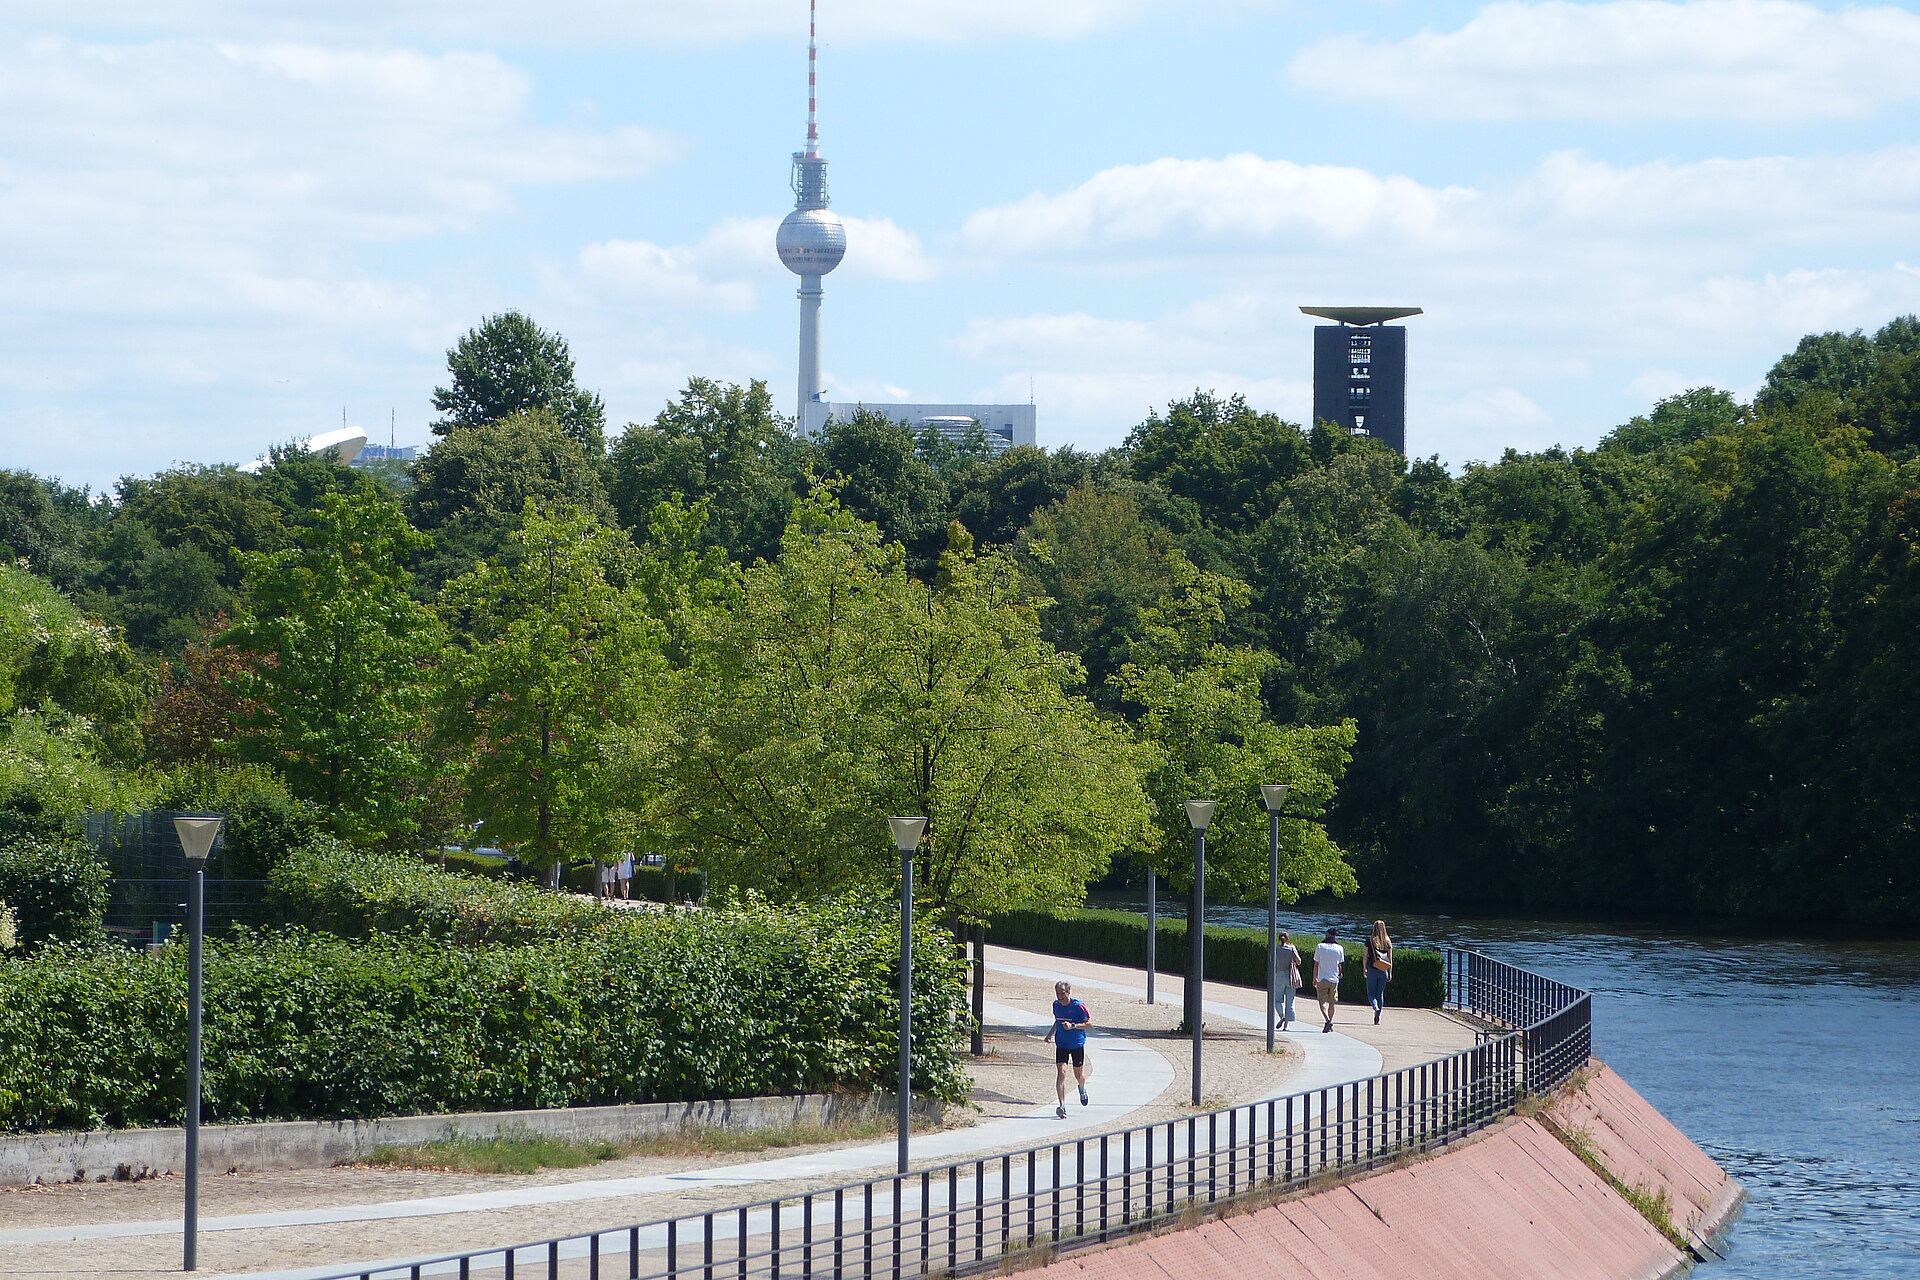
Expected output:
(1361, 315)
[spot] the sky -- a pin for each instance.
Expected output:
(223, 225)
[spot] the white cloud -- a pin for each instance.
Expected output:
(1755, 60)
(877, 249)
(596, 23)
(1194, 202)
(636, 272)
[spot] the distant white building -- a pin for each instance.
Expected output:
(386, 453)
(1005, 425)
(342, 445)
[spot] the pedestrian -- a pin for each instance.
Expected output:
(1327, 959)
(1069, 1035)
(1379, 967)
(624, 874)
(606, 870)
(1288, 963)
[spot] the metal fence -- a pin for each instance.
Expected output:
(978, 1215)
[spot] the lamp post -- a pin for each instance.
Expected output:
(1199, 814)
(906, 838)
(1275, 799)
(196, 833)
(1153, 930)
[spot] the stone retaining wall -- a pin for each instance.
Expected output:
(102, 1154)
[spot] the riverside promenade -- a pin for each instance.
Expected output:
(304, 1223)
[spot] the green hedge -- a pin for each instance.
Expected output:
(337, 890)
(57, 890)
(708, 1004)
(1237, 956)
(649, 883)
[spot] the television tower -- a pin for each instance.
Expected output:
(811, 240)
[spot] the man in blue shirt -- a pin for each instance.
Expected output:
(1069, 1036)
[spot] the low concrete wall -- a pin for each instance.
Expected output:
(102, 1154)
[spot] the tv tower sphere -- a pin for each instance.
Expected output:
(811, 242)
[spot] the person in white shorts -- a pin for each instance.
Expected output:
(1327, 959)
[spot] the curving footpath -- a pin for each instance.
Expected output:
(1130, 1075)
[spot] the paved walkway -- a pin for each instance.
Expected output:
(1139, 1076)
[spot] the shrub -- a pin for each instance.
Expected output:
(706, 1004)
(57, 890)
(353, 894)
(1237, 956)
(264, 823)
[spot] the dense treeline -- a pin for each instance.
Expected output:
(1673, 673)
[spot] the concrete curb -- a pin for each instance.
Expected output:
(103, 1154)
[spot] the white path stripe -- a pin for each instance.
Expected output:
(1126, 1077)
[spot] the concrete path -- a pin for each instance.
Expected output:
(1129, 1075)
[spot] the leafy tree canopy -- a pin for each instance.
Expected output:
(509, 365)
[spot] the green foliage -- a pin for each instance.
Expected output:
(837, 690)
(264, 821)
(551, 660)
(1234, 955)
(471, 491)
(355, 895)
(342, 691)
(719, 445)
(54, 662)
(509, 365)
(880, 476)
(56, 891)
(706, 1004)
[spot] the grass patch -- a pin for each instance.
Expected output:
(519, 1151)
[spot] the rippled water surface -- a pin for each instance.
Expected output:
(1796, 1064)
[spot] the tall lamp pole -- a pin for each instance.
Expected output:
(1153, 931)
(196, 833)
(1275, 799)
(1199, 814)
(906, 838)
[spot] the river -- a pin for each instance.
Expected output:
(1795, 1063)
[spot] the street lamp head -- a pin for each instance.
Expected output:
(197, 833)
(1200, 813)
(1274, 797)
(907, 832)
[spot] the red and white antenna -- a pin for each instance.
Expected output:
(813, 80)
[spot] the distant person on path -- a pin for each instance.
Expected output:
(1069, 1035)
(1288, 964)
(1379, 967)
(624, 874)
(1327, 959)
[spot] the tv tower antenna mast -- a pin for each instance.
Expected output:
(811, 240)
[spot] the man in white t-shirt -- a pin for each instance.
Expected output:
(1327, 959)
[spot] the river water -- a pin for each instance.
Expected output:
(1794, 1063)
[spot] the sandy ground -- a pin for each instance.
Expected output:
(1014, 1076)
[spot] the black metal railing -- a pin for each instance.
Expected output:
(979, 1215)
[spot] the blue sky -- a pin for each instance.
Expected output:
(219, 228)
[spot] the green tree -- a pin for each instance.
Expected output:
(1201, 713)
(883, 479)
(550, 666)
(1221, 459)
(509, 365)
(837, 690)
(721, 445)
(998, 498)
(343, 674)
(469, 492)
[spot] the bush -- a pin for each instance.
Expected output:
(57, 891)
(264, 823)
(1237, 956)
(708, 1004)
(352, 894)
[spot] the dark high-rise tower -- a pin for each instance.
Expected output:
(1360, 371)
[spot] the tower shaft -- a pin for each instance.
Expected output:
(810, 294)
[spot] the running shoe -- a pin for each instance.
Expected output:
(1060, 1112)
(1083, 1096)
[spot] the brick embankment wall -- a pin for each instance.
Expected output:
(1517, 1202)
